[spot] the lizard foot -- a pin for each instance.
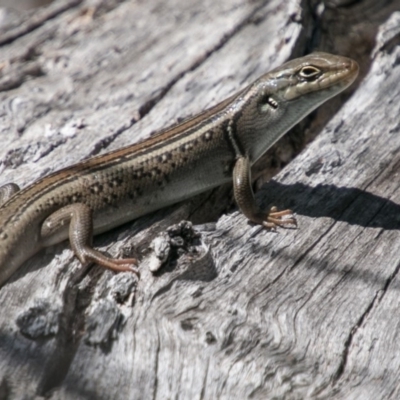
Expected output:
(274, 218)
(89, 255)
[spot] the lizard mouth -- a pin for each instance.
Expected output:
(340, 77)
(345, 75)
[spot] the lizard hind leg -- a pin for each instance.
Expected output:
(76, 222)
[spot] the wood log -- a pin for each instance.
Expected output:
(238, 312)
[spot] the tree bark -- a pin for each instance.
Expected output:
(239, 312)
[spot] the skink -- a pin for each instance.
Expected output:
(217, 146)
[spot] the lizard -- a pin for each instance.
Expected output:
(214, 147)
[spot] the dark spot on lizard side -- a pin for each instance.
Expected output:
(97, 188)
(164, 157)
(207, 136)
(116, 182)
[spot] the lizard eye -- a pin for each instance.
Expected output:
(309, 72)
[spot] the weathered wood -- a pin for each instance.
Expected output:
(247, 313)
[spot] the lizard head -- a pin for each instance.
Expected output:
(284, 96)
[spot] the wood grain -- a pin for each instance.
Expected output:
(245, 313)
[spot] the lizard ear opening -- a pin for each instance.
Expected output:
(267, 102)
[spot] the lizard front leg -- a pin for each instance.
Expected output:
(244, 197)
(79, 218)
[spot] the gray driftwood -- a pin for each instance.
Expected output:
(241, 312)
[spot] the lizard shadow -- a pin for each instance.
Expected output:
(351, 205)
